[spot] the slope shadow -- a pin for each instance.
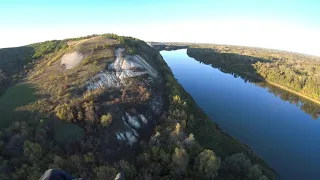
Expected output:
(12, 60)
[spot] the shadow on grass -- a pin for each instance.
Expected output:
(13, 98)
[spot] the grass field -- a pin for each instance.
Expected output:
(14, 97)
(23, 94)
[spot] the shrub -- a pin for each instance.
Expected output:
(207, 164)
(64, 112)
(106, 120)
(176, 99)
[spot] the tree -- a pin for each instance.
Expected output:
(255, 172)
(15, 146)
(32, 151)
(106, 120)
(190, 139)
(3, 81)
(89, 158)
(176, 99)
(64, 112)
(89, 111)
(128, 169)
(105, 173)
(207, 164)
(180, 160)
(177, 129)
(237, 163)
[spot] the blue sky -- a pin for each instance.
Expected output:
(242, 22)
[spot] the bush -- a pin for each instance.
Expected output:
(64, 112)
(176, 99)
(106, 120)
(207, 164)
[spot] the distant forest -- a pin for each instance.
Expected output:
(294, 72)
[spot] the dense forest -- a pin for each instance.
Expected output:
(49, 119)
(294, 72)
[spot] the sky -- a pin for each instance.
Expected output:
(292, 25)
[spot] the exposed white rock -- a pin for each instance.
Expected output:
(131, 65)
(130, 137)
(120, 136)
(127, 74)
(150, 44)
(135, 132)
(131, 62)
(143, 119)
(127, 136)
(123, 67)
(71, 60)
(120, 176)
(104, 79)
(133, 121)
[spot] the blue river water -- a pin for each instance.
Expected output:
(280, 132)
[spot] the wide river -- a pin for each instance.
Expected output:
(279, 131)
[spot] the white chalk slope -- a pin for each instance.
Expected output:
(123, 67)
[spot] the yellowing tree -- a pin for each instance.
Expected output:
(64, 112)
(180, 159)
(106, 120)
(207, 164)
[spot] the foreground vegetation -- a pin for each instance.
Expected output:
(59, 124)
(299, 74)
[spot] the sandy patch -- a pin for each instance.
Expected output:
(71, 60)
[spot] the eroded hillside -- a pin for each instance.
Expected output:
(98, 105)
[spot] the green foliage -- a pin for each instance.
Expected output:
(239, 165)
(131, 44)
(17, 62)
(207, 164)
(44, 48)
(4, 79)
(32, 151)
(89, 158)
(65, 132)
(176, 99)
(296, 73)
(106, 120)
(128, 169)
(206, 132)
(27, 172)
(64, 112)
(105, 173)
(111, 36)
(89, 111)
(77, 141)
(180, 160)
(14, 97)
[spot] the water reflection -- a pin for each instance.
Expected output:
(307, 106)
(271, 121)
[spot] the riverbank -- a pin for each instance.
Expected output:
(292, 91)
(274, 123)
(291, 72)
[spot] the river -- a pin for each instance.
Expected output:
(275, 124)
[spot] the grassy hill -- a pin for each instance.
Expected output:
(97, 105)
